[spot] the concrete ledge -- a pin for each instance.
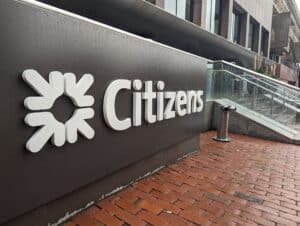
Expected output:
(65, 207)
(247, 122)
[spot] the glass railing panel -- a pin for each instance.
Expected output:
(253, 94)
(292, 93)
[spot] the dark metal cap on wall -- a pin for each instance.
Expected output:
(144, 19)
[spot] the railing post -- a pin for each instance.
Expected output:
(233, 81)
(272, 101)
(240, 88)
(210, 81)
(284, 98)
(254, 97)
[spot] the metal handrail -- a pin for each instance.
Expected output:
(253, 83)
(269, 84)
(259, 75)
(254, 91)
(270, 92)
(291, 94)
(279, 89)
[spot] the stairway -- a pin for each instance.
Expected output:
(260, 94)
(277, 112)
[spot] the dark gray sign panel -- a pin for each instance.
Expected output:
(36, 42)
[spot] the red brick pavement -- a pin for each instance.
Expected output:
(248, 181)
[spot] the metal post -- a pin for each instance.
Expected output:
(233, 81)
(240, 88)
(284, 98)
(222, 132)
(272, 102)
(254, 97)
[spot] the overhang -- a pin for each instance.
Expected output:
(142, 18)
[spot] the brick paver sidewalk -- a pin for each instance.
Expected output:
(248, 181)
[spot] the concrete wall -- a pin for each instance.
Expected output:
(287, 74)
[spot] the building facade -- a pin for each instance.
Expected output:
(270, 29)
(285, 47)
(246, 23)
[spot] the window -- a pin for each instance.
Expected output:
(217, 18)
(214, 16)
(181, 8)
(264, 42)
(189, 11)
(236, 27)
(251, 35)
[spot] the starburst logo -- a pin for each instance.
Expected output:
(59, 84)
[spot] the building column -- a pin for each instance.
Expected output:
(230, 20)
(197, 12)
(269, 44)
(204, 17)
(259, 39)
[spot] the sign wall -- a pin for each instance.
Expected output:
(80, 100)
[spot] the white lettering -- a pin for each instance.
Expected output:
(200, 100)
(191, 102)
(160, 101)
(109, 108)
(169, 112)
(149, 96)
(168, 103)
(181, 100)
(137, 103)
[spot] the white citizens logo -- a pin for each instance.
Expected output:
(59, 84)
(145, 96)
